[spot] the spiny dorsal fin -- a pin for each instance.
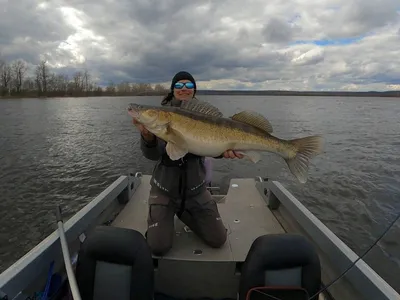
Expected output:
(201, 107)
(254, 119)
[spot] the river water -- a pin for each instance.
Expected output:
(66, 151)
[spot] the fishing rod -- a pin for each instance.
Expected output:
(349, 268)
(67, 259)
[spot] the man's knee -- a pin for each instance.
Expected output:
(160, 248)
(216, 239)
(207, 220)
(158, 243)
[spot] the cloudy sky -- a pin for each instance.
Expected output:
(257, 44)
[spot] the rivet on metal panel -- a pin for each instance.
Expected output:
(82, 237)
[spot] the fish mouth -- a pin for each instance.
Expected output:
(132, 106)
(133, 110)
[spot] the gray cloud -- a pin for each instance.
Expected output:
(277, 31)
(26, 32)
(224, 44)
(368, 15)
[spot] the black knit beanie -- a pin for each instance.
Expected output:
(182, 75)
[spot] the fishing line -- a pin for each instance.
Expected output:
(351, 266)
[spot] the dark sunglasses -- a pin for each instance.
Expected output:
(180, 85)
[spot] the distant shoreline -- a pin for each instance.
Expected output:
(46, 84)
(302, 93)
(214, 92)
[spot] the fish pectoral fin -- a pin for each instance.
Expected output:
(254, 119)
(176, 146)
(254, 156)
(175, 151)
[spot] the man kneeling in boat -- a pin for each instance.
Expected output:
(179, 187)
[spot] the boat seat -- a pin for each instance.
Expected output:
(115, 263)
(280, 266)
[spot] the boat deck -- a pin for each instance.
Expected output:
(244, 213)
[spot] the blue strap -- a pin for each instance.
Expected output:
(49, 276)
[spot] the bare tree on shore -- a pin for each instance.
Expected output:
(44, 82)
(42, 78)
(5, 78)
(18, 69)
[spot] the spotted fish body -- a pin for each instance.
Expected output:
(199, 128)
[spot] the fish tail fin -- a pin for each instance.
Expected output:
(307, 148)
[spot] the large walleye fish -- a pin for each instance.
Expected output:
(199, 128)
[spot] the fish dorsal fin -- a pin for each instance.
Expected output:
(201, 107)
(254, 119)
